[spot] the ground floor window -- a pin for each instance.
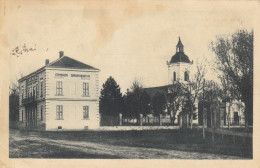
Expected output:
(41, 112)
(22, 115)
(59, 112)
(85, 112)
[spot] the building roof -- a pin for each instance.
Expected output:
(63, 62)
(67, 62)
(179, 56)
(153, 90)
(179, 42)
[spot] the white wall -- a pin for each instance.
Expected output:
(72, 87)
(72, 115)
(179, 68)
(72, 99)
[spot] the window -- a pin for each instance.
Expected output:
(186, 76)
(34, 91)
(41, 88)
(27, 91)
(31, 94)
(22, 115)
(37, 90)
(59, 112)
(41, 113)
(22, 92)
(85, 89)
(59, 88)
(85, 112)
(174, 76)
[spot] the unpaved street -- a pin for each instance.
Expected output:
(41, 147)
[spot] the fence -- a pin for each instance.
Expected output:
(109, 120)
(236, 121)
(127, 121)
(13, 124)
(148, 120)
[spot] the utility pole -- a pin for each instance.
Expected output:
(212, 129)
(203, 115)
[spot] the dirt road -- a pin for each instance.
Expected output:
(32, 145)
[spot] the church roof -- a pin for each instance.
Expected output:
(153, 90)
(179, 42)
(179, 56)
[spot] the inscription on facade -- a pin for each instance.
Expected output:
(60, 75)
(81, 76)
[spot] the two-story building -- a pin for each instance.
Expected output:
(62, 95)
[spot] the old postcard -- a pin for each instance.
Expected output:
(129, 83)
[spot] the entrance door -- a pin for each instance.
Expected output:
(31, 118)
(236, 118)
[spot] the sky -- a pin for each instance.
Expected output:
(124, 39)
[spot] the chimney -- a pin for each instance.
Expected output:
(46, 61)
(61, 54)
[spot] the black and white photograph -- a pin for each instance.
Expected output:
(171, 80)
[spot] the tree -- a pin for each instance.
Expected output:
(174, 99)
(137, 101)
(111, 100)
(212, 92)
(158, 104)
(235, 60)
(13, 103)
(191, 92)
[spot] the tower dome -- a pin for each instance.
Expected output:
(179, 56)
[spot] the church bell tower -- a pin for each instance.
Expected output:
(179, 66)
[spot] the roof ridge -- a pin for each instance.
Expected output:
(55, 61)
(80, 62)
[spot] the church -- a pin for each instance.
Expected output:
(179, 70)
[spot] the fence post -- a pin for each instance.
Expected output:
(180, 119)
(160, 119)
(120, 119)
(141, 119)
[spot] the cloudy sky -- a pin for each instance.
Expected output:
(124, 39)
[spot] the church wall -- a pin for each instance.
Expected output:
(179, 68)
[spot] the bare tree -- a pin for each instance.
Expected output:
(191, 90)
(174, 99)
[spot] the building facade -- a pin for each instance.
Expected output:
(62, 95)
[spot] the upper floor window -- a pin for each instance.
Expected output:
(37, 90)
(59, 112)
(41, 88)
(174, 76)
(186, 76)
(34, 91)
(85, 112)
(59, 88)
(31, 93)
(22, 116)
(85, 89)
(22, 93)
